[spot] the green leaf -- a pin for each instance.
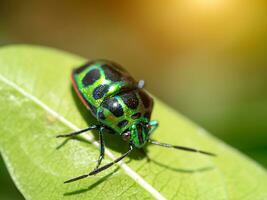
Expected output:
(37, 103)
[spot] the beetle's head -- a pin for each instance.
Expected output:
(138, 134)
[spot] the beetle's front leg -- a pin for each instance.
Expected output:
(102, 146)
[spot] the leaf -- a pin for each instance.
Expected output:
(39, 163)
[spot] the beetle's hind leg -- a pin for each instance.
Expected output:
(79, 132)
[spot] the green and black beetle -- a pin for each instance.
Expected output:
(120, 104)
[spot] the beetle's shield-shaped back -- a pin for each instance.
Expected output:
(97, 80)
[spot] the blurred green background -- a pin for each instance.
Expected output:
(205, 58)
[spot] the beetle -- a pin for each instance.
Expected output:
(120, 104)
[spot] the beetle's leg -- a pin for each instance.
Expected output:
(102, 146)
(100, 169)
(79, 132)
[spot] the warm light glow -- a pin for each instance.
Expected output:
(209, 2)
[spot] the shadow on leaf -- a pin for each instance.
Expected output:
(202, 169)
(101, 180)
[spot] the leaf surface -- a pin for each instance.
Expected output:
(39, 163)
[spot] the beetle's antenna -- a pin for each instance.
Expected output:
(180, 147)
(100, 169)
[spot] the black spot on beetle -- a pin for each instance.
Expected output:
(145, 99)
(100, 91)
(130, 99)
(136, 115)
(91, 77)
(122, 123)
(101, 115)
(113, 105)
(111, 73)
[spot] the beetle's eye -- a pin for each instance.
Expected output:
(126, 136)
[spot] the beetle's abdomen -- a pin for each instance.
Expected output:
(96, 81)
(123, 110)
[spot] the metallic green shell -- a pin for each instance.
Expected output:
(113, 121)
(102, 83)
(115, 86)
